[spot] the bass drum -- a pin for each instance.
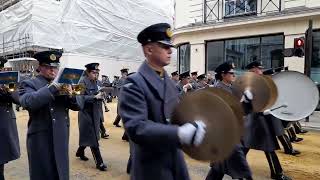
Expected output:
(297, 93)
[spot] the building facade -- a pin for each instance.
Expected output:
(209, 32)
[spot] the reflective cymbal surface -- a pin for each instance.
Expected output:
(274, 91)
(259, 86)
(223, 129)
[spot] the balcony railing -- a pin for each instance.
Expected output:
(216, 10)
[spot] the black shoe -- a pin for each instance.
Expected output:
(105, 136)
(293, 152)
(117, 125)
(106, 110)
(302, 131)
(281, 177)
(101, 167)
(125, 138)
(82, 157)
(297, 139)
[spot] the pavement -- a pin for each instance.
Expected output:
(314, 122)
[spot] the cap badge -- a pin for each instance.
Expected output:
(169, 33)
(53, 57)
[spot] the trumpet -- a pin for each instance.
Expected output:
(76, 89)
(9, 80)
(10, 87)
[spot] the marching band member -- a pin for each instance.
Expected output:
(147, 101)
(260, 134)
(48, 126)
(90, 116)
(236, 165)
(9, 140)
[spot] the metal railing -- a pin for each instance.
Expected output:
(17, 48)
(4, 4)
(216, 10)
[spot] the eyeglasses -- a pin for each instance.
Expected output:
(232, 73)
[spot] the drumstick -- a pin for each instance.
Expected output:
(282, 106)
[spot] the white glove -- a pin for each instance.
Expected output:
(187, 131)
(186, 87)
(247, 96)
(99, 96)
(267, 112)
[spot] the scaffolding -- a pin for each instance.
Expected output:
(4, 4)
(17, 48)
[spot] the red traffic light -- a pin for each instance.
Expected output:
(298, 42)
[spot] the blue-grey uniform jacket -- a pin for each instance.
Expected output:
(48, 129)
(90, 115)
(146, 104)
(9, 140)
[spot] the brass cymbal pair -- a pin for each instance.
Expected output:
(262, 87)
(221, 112)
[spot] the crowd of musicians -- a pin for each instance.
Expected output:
(146, 99)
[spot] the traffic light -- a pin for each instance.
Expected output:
(299, 46)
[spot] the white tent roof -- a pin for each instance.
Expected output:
(96, 28)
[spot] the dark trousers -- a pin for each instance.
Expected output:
(117, 120)
(292, 134)
(273, 161)
(95, 153)
(214, 175)
(102, 128)
(286, 143)
(2, 172)
(297, 127)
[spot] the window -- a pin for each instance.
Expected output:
(242, 51)
(184, 57)
(240, 7)
(315, 63)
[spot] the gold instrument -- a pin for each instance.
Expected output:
(221, 112)
(70, 78)
(77, 89)
(9, 80)
(262, 87)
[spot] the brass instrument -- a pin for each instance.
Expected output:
(77, 89)
(70, 77)
(223, 114)
(9, 80)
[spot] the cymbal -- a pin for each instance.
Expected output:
(274, 91)
(259, 87)
(233, 102)
(223, 131)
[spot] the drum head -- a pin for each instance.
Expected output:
(298, 92)
(223, 131)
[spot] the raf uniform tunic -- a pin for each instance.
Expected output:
(90, 115)
(9, 140)
(146, 105)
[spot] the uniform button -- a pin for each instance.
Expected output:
(7, 111)
(53, 119)
(65, 117)
(51, 109)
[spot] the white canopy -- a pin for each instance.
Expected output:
(101, 31)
